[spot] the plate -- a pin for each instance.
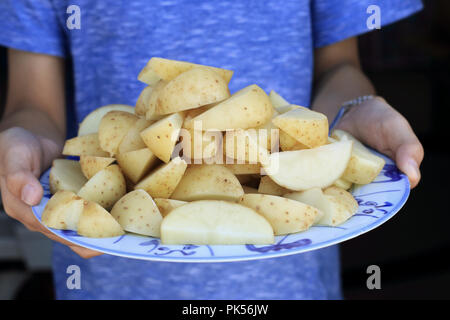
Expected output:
(378, 202)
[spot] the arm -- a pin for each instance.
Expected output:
(339, 78)
(32, 133)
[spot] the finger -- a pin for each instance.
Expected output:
(408, 158)
(24, 186)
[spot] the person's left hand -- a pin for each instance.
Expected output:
(381, 127)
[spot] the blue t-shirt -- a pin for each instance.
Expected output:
(270, 43)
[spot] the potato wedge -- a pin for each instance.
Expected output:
(162, 136)
(277, 100)
(66, 175)
(163, 180)
(90, 165)
(306, 126)
(247, 108)
(345, 197)
(85, 145)
(246, 146)
(342, 183)
(132, 141)
(208, 182)
(167, 205)
(105, 187)
(136, 164)
(287, 143)
(150, 113)
(137, 212)
(91, 122)
(244, 169)
(364, 166)
(159, 68)
(96, 222)
(335, 209)
(215, 222)
(284, 215)
(309, 168)
(113, 128)
(199, 145)
(192, 89)
(142, 101)
(268, 186)
(63, 211)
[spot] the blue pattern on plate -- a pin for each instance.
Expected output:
(378, 202)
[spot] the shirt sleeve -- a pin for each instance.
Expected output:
(31, 25)
(336, 20)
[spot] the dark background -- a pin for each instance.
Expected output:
(409, 63)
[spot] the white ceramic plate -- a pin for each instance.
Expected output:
(378, 202)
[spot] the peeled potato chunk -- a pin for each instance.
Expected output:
(159, 68)
(342, 183)
(113, 128)
(285, 215)
(91, 122)
(142, 101)
(167, 205)
(137, 212)
(132, 140)
(192, 89)
(105, 187)
(136, 164)
(304, 169)
(277, 100)
(96, 222)
(208, 182)
(150, 113)
(163, 180)
(364, 166)
(90, 165)
(162, 136)
(213, 222)
(66, 175)
(63, 210)
(86, 145)
(247, 108)
(306, 126)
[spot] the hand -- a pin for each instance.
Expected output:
(380, 126)
(23, 156)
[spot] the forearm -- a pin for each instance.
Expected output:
(343, 83)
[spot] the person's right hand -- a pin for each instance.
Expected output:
(23, 156)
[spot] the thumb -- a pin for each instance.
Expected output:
(25, 186)
(408, 158)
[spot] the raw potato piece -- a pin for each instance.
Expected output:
(305, 169)
(105, 187)
(136, 164)
(137, 212)
(142, 101)
(208, 182)
(245, 168)
(267, 186)
(113, 127)
(277, 100)
(132, 141)
(192, 89)
(337, 205)
(96, 222)
(90, 165)
(167, 205)
(63, 210)
(91, 122)
(162, 182)
(247, 108)
(213, 222)
(287, 143)
(66, 175)
(201, 144)
(342, 183)
(86, 145)
(161, 136)
(151, 114)
(285, 215)
(306, 126)
(238, 145)
(159, 68)
(364, 166)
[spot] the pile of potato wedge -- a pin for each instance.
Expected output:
(193, 164)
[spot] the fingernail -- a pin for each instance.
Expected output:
(28, 194)
(414, 172)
